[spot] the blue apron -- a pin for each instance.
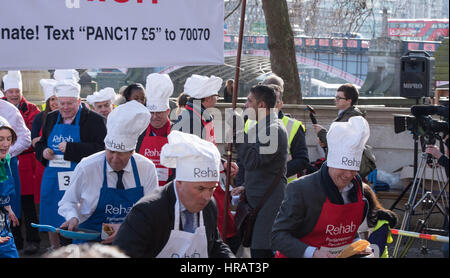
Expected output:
(16, 197)
(114, 204)
(7, 249)
(56, 178)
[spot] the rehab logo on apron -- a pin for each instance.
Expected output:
(151, 148)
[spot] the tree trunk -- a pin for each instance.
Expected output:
(282, 49)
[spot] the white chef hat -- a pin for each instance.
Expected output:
(67, 88)
(346, 141)
(12, 80)
(61, 74)
(198, 86)
(124, 125)
(48, 85)
(195, 159)
(158, 89)
(105, 94)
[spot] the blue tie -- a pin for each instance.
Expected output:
(189, 222)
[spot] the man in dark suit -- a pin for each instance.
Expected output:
(178, 220)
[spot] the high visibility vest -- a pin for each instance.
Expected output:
(384, 252)
(291, 125)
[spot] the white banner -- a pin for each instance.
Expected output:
(59, 34)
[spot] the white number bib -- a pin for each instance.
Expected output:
(58, 161)
(64, 180)
(163, 174)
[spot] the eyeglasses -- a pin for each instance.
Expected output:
(339, 98)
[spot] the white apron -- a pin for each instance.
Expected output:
(183, 244)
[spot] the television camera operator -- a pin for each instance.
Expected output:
(437, 153)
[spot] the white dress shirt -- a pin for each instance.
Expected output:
(15, 119)
(183, 208)
(81, 198)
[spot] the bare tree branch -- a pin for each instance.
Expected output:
(233, 10)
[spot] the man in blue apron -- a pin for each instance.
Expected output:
(69, 134)
(178, 220)
(106, 185)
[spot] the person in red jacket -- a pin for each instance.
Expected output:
(12, 83)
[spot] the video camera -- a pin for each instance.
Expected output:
(422, 124)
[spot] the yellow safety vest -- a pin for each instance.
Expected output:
(292, 126)
(389, 240)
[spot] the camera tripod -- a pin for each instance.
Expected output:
(428, 200)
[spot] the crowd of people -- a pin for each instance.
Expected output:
(151, 187)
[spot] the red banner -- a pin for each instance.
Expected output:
(413, 46)
(352, 43)
(338, 43)
(324, 42)
(429, 47)
(310, 42)
(298, 41)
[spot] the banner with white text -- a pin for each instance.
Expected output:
(60, 34)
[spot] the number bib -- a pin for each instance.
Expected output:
(64, 180)
(58, 161)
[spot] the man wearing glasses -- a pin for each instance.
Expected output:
(345, 100)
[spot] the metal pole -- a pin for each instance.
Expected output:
(420, 235)
(233, 105)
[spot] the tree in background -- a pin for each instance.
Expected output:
(282, 49)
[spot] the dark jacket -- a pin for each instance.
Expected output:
(443, 161)
(227, 96)
(352, 111)
(37, 125)
(262, 166)
(299, 154)
(147, 227)
(301, 209)
(188, 121)
(92, 134)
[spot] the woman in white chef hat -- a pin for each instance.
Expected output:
(102, 101)
(51, 104)
(105, 185)
(178, 220)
